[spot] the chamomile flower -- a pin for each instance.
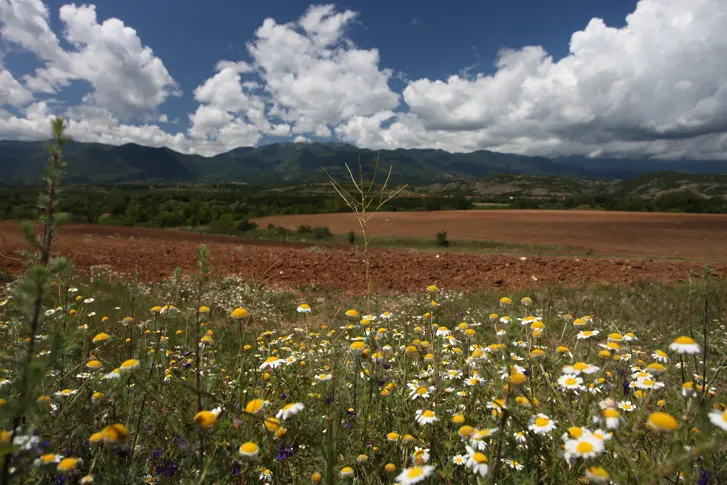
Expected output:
(570, 382)
(48, 459)
(114, 374)
(660, 356)
(586, 334)
(426, 416)
(420, 456)
(661, 421)
(580, 368)
(66, 393)
(719, 419)
(684, 345)
(479, 438)
(68, 465)
(415, 474)
(514, 465)
(420, 392)
(541, 424)
(612, 418)
(585, 446)
(626, 406)
(271, 363)
(206, 420)
(289, 410)
(249, 451)
(114, 434)
(647, 384)
(597, 474)
(477, 461)
(128, 365)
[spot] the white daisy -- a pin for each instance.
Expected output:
(289, 410)
(426, 416)
(570, 382)
(416, 474)
(541, 424)
(684, 345)
(477, 461)
(719, 419)
(586, 446)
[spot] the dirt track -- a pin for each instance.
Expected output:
(157, 252)
(687, 236)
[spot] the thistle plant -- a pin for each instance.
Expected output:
(31, 291)
(365, 200)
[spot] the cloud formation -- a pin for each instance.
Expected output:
(656, 87)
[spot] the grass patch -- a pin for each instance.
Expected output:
(347, 421)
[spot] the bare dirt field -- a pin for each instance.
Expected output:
(633, 234)
(157, 252)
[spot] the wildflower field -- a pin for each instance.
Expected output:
(213, 379)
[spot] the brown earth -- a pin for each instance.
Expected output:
(633, 234)
(157, 252)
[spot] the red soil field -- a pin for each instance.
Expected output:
(157, 252)
(658, 235)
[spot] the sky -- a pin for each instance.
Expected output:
(616, 78)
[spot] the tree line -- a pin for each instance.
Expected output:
(224, 209)
(677, 201)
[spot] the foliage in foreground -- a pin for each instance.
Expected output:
(467, 390)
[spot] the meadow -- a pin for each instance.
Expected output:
(203, 377)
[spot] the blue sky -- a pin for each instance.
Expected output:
(418, 39)
(404, 74)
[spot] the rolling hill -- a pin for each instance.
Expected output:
(22, 161)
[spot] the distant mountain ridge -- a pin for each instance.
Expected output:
(22, 162)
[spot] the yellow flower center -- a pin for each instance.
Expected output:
(114, 433)
(663, 421)
(541, 422)
(249, 448)
(610, 413)
(67, 464)
(272, 424)
(415, 472)
(206, 419)
(128, 364)
(684, 341)
(598, 471)
(479, 458)
(428, 414)
(584, 447)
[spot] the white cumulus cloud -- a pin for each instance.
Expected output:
(650, 88)
(655, 87)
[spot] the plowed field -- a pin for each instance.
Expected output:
(684, 236)
(292, 265)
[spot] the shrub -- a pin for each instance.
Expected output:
(351, 237)
(442, 239)
(320, 233)
(304, 229)
(228, 225)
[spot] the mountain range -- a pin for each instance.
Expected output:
(22, 162)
